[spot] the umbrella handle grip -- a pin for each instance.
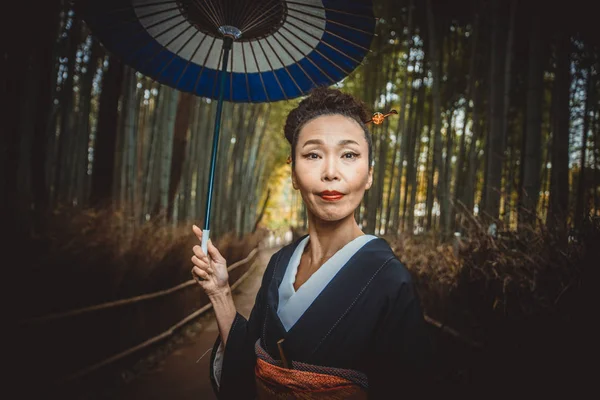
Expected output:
(205, 237)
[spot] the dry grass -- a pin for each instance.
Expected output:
(479, 282)
(92, 256)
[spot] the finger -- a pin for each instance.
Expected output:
(197, 231)
(199, 253)
(214, 252)
(200, 273)
(199, 263)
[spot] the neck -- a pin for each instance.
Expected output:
(326, 237)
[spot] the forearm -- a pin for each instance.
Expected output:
(224, 311)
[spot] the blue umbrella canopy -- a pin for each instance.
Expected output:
(237, 50)
(284, 48)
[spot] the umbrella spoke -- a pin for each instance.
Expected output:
(152, 14)
(323, 41)
(317, 51)
(272, 69)
(332, 10)
(259, 14)
(259, 74)
(190, 60)
(329, 21)
(144, 41)
(219, 72)
(215, 13)
(246, 73)
(308, 58)
(284, 66)
(230, 66)
(260, 19)
(299, 66)
(209, 14)
(332, 34)
(165, 47)
(134, 7)
(204, 64)
(180, 49)
(237, 16)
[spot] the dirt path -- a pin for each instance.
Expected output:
(183, 374)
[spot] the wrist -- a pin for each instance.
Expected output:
(220, 294)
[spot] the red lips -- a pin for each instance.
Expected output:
(330, 195)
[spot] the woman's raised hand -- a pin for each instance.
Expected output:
(210, 271)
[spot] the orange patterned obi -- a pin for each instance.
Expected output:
(305, 381)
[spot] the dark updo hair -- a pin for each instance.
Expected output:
(326, 101)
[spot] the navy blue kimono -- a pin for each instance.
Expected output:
(368, 318)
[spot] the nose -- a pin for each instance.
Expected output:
(330, 170)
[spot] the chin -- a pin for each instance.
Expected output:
(334, 216)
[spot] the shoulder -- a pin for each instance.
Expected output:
(393, 274)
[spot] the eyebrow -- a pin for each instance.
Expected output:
(340, 143)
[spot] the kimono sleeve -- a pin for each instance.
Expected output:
(402, 347)
(232, 368)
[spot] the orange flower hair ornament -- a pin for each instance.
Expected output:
(377, 119)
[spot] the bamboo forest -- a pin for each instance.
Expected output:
(486, 185)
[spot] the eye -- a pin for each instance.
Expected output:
(350, 155)
(311, 156)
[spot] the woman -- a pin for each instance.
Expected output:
(336, 315)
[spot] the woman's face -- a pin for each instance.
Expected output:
(332, 169)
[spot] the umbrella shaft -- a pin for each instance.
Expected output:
(227, 43)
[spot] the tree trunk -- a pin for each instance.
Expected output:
(496, 142)
(559, 182)
(436, 95)
(533, 133)
(168, 128)
(581, 211)
(106, 135)
(182, 121)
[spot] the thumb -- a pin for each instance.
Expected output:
(214, 252)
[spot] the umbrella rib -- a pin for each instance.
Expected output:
(219, 72)
(164, 47)
(232, 53)
(140, 27)
(211, 16)
(179, 50)
(299, 66)
(216, 13)
(324, 42)
(309, 59)
(258, 19)
(204, 64)
(284, 66)
(332, 9)
(327, 30)
(332, 34)
(190, 59)
(256, 14)
(132, 7)
(157, 12)
(251, 14)
(246, 73)
(317, 51)
(259, 73)
(153, 38)
(235, 18)
(272, 69)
